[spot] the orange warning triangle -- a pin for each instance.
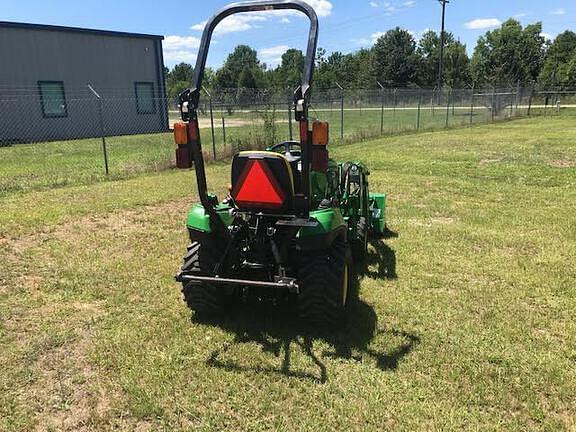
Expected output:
(258, 188)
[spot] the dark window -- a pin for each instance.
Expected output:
(145, 103)
(52, 98)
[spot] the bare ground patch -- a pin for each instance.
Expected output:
(562, 163)
(51, 339)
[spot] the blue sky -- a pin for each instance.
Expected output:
(345, 25)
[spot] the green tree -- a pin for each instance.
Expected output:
(328, 69)
(179, 79)
(289, 72)
(247, 79)
(456, 71)
(394, 58)
(356, 70)
(242, 57)
(509, 54)
(558, 66)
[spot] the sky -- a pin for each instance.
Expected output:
(345, 25)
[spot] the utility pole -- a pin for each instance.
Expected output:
(441, 64)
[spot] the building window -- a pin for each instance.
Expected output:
(145, 103)
(52, 99)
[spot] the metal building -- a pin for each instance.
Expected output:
(46, 73)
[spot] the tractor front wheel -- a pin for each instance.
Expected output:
(325, 279)
(204, 298)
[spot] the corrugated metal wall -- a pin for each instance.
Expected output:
(111, 64)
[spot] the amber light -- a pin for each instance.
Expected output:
(180, 133)
(320, 132)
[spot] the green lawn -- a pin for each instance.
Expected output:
(465, 319)
(26, 167)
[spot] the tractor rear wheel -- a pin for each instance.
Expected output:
(204, 298)
(325, 280)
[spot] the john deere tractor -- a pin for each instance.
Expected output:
(293, 220)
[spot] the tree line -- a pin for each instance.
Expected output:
(504, 56)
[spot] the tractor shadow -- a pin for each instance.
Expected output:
(381, 262)
(276, 331)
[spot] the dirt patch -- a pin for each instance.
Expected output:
(123, 222)
(432, 221)
(485, 162)
(234, 122)
(563, 163)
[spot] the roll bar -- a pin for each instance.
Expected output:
(192, 95)
(189, 100)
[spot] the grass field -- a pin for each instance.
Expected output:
(36, 166)
(465, 319)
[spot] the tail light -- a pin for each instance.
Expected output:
(320, 133)
(180, 133)
(319, 142)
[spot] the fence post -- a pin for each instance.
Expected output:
(341, 111)
(102, 134)
(290, 120)
(223, 131)
(419, 106)
(448, 107)
(382, 112)
(212, 128)
(511, 103)
(394, 108)
(530, 100)
(517, 97)
(493, 102)
(381, 107)
(472, 106)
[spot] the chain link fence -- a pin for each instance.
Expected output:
(91, 134)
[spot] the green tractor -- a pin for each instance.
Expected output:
(294, 219)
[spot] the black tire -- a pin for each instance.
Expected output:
(360, 244)
(325, 280)
(200, 259)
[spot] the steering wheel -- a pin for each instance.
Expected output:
(291, 150)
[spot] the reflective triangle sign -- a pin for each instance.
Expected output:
(258, 188)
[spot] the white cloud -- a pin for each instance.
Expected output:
(375, 36)
(180, 42)
(180, 48)
(559, 11)
(233, 23)
(521, 15)
(369, 41)
(546, 36)
(247, 21)
(285, 20)
(272, 56)
(409, 3)
(322, 7)
(482, 23)
(179, 56)
(373, 4)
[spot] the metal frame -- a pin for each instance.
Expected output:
(256, 6)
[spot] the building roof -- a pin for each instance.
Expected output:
(76, 30)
